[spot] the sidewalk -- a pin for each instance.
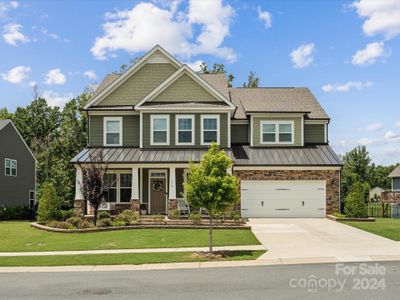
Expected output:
(148, 250)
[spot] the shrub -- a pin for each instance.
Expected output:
(60, 225)
(218, 215)
(104, 215)
(104, 223)
(118, 222)
(66, 214)
(159, 219)
(355, 204)
(235, 216)
(338, 215)
(74, 221)
(15, 213)
(49, 204)
(175, 214)
(195, 217)
(83, 224)
(127, 217)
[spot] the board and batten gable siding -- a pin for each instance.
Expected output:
(240, 134)
(223, 119)
(276, 117)
(14, 190)
(130, 130)
(396, 183)
(314, 133)
(140, 84)
(184, 89)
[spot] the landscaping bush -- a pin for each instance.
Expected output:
(118, 223)
(83, 224)
(60, 225)
(355, 204)
(175, 214)
(195, 217)
(66, 214)
(49, 204)
(15, 213)
(74, 221)
(104, 223)
(338, 215)
(127, 217)
(104, 215)
(235, 216)
(159, 219)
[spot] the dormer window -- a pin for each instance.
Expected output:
(184, 130)
(112, 131)
(209, 129)
(276, 132)
(159, 125)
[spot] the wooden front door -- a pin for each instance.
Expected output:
(157, 196)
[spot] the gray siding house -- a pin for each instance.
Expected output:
(17, 168)
(153, 120)
(395, 176)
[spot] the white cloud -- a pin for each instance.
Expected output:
(390, 135)
(370, 54)
(265, 17)
(56, 99)
(302, 56)
(201, 29)
(369, 141)
(52, 35)
(345, 87)
(6, 6)
(54, 76)
(373, 127)
(90, 74)
(16, 75)
(12, 34)
(195, 66)
(382, 17)
(32, 83)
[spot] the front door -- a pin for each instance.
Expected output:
(157, 196)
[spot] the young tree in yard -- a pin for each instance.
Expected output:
(49, 204)
(209, 186)
(93, 186)
(356, 201)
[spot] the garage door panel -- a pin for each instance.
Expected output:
(283, 198)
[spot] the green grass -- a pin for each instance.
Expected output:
(20, 237)
(118, 259)
(389, 228)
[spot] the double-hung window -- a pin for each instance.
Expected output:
(184, 130)
(276, 132)
(112, 131)
(159, 134)
(209, 129)
(118, 187)
(10, 167)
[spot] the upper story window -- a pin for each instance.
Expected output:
(112, 131)
(276, 132)
(159, 130)
(209, 129)
(184, 130)
(10, 167)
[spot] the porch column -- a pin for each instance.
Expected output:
(79, 203)
(229, 171)
(172, 205)
(135, 202)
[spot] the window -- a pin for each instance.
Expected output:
(31, 199)
(110, 182)
(159, 130)
(112, 131)
(119, 187)
(209, 129)
(184, 130)
(125, 187)
(10, 167)
(276, 132)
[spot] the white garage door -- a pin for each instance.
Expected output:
(283, 199)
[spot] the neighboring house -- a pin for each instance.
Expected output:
(376, 193)
(17, 168)
(158, 116)
(395, 176)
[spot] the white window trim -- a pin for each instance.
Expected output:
(105, 120)
(16, 167)
(276, 123)
(202, 128)
(177, 129)
(152, 117)
(118, 184)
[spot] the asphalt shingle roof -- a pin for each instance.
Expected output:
(218, 81)
(395, 173)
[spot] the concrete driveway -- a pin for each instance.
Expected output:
(320, 239)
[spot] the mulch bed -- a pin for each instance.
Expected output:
(345, 219)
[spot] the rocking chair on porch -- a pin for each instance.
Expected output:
(183, 206)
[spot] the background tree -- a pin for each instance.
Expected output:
(209, 186)
(252, 80)
(4, 114)
(217, 68)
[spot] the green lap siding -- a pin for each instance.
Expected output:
(130, 131)
(239, 133)
(314, 133)
(223, 118)
(396, 183)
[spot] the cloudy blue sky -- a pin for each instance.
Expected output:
(347, 53)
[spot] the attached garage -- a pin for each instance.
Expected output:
(283, 198)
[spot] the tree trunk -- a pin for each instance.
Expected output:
(210, 238)
(95, 210)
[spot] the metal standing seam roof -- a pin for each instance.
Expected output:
(396, 172)
(321, 155)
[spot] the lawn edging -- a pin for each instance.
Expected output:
(348, 219)
(138, 226)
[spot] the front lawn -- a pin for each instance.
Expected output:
(119, 259)
(20, 237)
(389, 228)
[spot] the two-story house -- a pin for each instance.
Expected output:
(17, 168)
(160, 115)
